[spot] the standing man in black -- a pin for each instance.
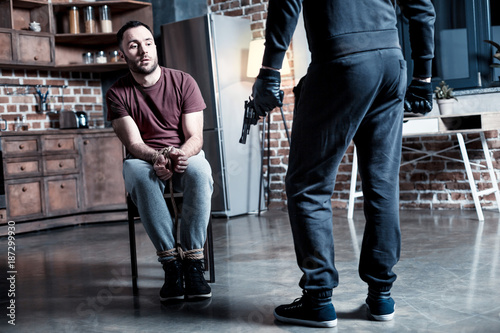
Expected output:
(354, 90)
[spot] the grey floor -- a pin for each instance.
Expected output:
(78, 279)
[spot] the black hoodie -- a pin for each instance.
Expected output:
(341, 27)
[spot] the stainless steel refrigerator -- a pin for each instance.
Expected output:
(214, 50)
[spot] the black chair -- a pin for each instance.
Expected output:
(133, 213)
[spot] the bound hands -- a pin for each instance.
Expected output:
(177, 161)
(418, 97)
(266, 91)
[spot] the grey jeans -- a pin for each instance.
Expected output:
(146, 191)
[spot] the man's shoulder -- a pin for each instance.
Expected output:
(175, 74)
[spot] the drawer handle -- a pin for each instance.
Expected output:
(59, 145)
(24, 189)
(23, 168)
(21, 146)
(62, 185)
(61, 164)
(35, 58)
(86, 142)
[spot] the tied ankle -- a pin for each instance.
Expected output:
(195, 284)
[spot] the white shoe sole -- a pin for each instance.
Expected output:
(386, 317)
(329, 323)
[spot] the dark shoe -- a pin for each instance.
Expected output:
(380, 309)
(173, 288)
(303, 312)
(196, 285)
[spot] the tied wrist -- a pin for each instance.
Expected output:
(164, 151)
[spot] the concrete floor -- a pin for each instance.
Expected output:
(78, 279)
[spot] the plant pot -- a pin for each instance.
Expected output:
(446, 106)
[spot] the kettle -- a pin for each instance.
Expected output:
(72, 119)
(81, 120)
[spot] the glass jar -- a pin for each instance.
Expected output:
(74, 20)
(114, 56)
(89, 19)
(88, 58)
(105, 18)
(101, 57)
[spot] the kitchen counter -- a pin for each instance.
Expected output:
(59, 177)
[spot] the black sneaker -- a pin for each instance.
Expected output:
(380, 309)
(196, 285)
(302, 312)
(173, 288)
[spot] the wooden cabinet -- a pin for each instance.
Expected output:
(62, 177)
(102, 171)
(22, 47)
(54, 47)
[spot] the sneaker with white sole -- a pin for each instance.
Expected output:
(381, 309)
(196, 287)
(303, 312)
(173, 288)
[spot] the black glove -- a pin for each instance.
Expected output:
(418, 97)
(266, 91)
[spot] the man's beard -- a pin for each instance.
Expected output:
(141, 70)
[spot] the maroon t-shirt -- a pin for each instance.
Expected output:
(157, 110)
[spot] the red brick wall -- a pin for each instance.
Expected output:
(83, 93)
(432, 183)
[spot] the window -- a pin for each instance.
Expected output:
(462, 58)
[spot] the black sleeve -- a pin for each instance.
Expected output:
(421, 16)
(282, 17)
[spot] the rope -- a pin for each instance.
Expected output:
(168, 253)
(195, 254)
(166, 153)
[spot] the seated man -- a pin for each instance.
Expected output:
(158, 115)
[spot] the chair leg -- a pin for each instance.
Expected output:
(133, 249)
(210, 244)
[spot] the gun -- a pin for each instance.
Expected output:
(250, 118)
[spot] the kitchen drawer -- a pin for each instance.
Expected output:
(35, 49)
(56, 144)
(22, 168)
(62, 195)
(25, 146)
(61, 165)
(24, 199)
(6, 49)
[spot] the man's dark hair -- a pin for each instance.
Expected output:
(129, 25)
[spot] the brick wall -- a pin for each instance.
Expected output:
(432, 183)
(83, 93)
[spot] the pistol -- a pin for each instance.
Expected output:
(250, 118)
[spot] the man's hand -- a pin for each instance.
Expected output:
(266, 91)
(162, 168)
(418, 97)
(179, 160)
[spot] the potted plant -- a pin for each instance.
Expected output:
(445, 98)
(496, 55)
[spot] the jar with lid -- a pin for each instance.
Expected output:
(101, 57)
(114, 56)
(89, 19)
(88, 58)
(74, 20)
(105, 18)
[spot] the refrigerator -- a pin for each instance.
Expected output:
(214, 50)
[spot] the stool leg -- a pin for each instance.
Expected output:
(210, 242)
(133, 249)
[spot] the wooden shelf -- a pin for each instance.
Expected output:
(54, 48)
(98, 68)
(86, 39)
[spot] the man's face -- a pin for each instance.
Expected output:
(139, 50)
